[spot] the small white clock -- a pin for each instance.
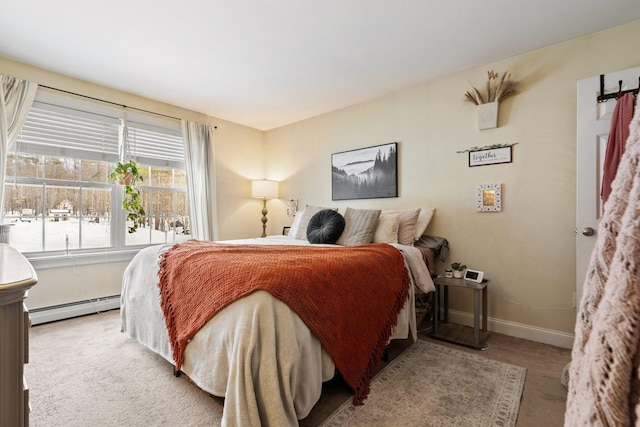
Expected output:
(473, 275)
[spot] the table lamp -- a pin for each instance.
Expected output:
(264, 189)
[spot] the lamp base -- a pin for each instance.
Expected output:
(264, 218)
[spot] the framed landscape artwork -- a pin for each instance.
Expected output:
(366, 173)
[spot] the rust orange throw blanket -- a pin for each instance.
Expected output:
(349, 297)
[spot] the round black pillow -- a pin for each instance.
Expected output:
(325, 226)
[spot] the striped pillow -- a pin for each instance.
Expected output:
(360, 225)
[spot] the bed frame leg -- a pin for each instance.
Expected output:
(176, 373)
(385, 354)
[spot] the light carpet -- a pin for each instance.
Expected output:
(85, 372)
(433, 385)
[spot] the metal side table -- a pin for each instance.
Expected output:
(442, 287)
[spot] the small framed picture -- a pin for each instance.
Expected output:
(489, 198)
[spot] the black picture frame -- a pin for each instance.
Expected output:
(365, 173)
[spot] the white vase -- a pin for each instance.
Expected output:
(488, 115)
(457, 274)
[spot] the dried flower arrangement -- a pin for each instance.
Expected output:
(497, 89)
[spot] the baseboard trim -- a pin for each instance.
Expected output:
(518, 330)
(75, 309)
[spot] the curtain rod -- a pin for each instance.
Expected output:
(112, 103)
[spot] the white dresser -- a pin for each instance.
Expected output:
(16, 277)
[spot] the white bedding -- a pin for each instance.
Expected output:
(256, 352)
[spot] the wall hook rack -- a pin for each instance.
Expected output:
(604, 97)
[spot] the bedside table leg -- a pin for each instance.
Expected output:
(476, 317)
(484, 309)
(445, 304)
(436, 310)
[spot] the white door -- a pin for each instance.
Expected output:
(594, 122)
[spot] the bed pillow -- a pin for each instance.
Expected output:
(300, 232)
(387, 229)
(426, 214)
(296, 223)
(325, 226)
(407, 226)
(359, 226)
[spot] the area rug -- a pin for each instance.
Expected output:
(433, 385)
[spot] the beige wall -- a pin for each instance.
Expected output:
(239, 152)
(527, 250)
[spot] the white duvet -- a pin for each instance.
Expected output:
(256, 352)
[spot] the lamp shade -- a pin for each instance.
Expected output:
(264, 189)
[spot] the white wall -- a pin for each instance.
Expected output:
(527, 250)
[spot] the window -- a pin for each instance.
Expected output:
(57, 193)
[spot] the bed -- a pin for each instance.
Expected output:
(256, 352)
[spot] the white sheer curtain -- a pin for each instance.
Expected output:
(198, 142)
(16, 98)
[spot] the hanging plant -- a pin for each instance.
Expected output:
(128, 175)
(497, 89)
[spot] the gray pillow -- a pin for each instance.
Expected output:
(360, 225)
(325, 226)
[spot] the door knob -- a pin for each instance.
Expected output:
(588, 231)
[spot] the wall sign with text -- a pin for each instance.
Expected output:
(490, 156)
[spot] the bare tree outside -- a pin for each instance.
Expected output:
(41, 191)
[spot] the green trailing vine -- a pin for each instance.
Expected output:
(128, 175)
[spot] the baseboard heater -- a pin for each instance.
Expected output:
(74, 309)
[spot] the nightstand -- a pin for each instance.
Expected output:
(442, 287)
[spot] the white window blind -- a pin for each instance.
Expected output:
(63, 126)
(155, 146)
(53, 130)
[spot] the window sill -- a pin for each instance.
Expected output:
(72, 260)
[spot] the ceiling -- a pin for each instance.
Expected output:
(268, 63)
